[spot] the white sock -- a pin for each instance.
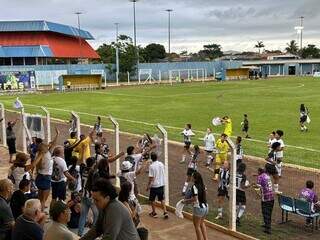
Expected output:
(184, 189)
(276, 187)
(183, 158)
(241, 211)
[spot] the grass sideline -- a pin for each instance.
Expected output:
(271, 104)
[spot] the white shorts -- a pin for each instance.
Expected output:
(279, 168)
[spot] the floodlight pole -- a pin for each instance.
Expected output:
(135, 32)
(233, 173)
(166, 161)
(117, 53)
(79, 34)
(117, 145)
(169, 30)
(48, 124)
(3, 123)
(301, 33)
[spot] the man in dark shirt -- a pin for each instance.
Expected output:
(30, 224)
(6, 217)
(19, 198)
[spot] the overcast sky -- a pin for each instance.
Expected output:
(234, 24)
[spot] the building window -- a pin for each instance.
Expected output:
(17, 61)
(30, 61)
(5, 62)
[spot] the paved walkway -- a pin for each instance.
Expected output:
(173, 228)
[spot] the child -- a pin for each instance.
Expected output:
(241, 184)
(239, 150)
(271, 140)
(209, 146)
(245, 125)
(228, 125)
(270, 166)
(187, 134)
(222, 153)
(98, 129)
(192, 167)
(224, 178)
(75, 207)
(278, 138)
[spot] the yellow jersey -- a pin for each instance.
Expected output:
(223, 149)
(84, 150)
(228, 127)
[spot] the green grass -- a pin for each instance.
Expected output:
(270, 104)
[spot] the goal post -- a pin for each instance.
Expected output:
(187, 75)
(145, 76)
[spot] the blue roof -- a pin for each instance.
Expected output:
(43, 26)
(26, 51)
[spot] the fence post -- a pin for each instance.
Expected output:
(78, 123)
(139, 78)
(128, 78)
(48, 124)
(159, 76)
(166, 161)
(117, 145)
(232, 200)
(3, 123)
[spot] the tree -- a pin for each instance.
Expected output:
(259, 45)
(153, 52)
(106, 53)
(311, 51)
(292, 47)
(210, 51)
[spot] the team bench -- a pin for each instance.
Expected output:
(299, 207)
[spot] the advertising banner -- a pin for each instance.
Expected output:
(15, 80)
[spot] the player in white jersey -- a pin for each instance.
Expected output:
(187, 134)
(278, 138)
(192, 167)
(241, 184)
(209, 146)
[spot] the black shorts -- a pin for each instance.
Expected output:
(59, 190)
(190, 172)
(156, 193)
(271, 169)
(223, 192)
(303, 119)
(187, 145)
(241, 197)
(11, 146)
(209, 152)
(245, 129)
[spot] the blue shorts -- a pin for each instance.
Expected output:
(43, 182)
(200, 212)
(59, 190)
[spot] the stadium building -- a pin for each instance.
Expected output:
(42, 43)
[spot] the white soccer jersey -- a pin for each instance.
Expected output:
(209, 142)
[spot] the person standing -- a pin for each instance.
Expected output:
(192, 167)
(304, 114)
(241, 184)
(6, 217)
(11, 139)
(228, 125)
(222, 147)
(278, 138)
(19, 198)
(264, 185)
(156, 185)
(224, 180)
(239, 150)
(187, 134)
(271, 164)
(245, 125)
(200, 206)
(209, 146)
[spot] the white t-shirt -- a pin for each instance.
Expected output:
(156, 170)
(46, 165)
(187, 133)
(18, 173)
(137, 159)
(209, 142)
(79, 181)
(130, 176)
(280, 153)
(61, 164)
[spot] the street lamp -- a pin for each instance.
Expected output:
(79, 34)
(135, 32)
(169, 30)
(117, 52)
(299, 30)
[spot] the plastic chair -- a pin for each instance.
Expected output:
(287, 205)
(303, 208)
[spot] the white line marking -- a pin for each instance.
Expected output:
(172, 127)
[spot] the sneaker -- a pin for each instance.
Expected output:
(153, 214)
(165, 215)
(219, 216)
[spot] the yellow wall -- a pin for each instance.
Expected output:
(239, 72)
(94, 80)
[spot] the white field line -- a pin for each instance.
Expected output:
(172, 127)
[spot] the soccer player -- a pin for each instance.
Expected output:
(241, 184)
(228, 125)
(222, 153)
(245, 125)
(239, 150)
(192, 167)
(209, 146)
(224, 179)
(303, 117)
(270, 166)
(187, 134)
(271, 140)
(278, 138)
(98, 129)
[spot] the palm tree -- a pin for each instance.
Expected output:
(292, 47)
(259, 45)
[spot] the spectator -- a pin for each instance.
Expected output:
(18, 170)
(44, 165)
(6, 217)
(209, 146)
(33, 147)
(86, 201)
(83, 147)
(19, 198)
(60, 214)
(114, 219)
(264, 184)
(156, 185)
(75, 207)
(74, 170)
(30, 224)
(200, 206)
(60, 175)
(11, 139)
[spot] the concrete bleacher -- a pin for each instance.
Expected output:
(173, 228)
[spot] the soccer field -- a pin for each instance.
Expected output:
(270, 104)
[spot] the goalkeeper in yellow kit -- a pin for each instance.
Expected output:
(222, 147)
